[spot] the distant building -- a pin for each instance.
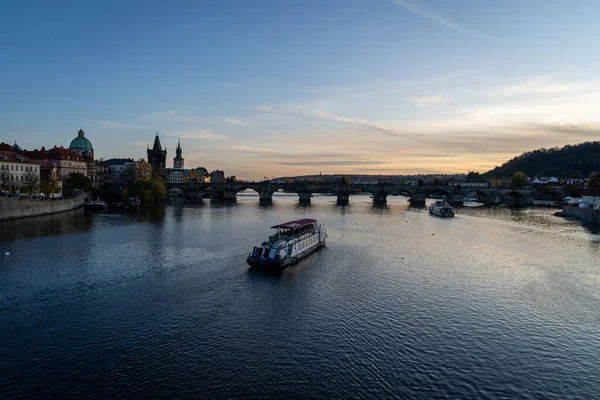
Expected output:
(122, 171)
(178, 159)
(591, 197)
(177, 175)
(198, 175)
(18, 174)
(217, 176)
(157, 157)
(469, 183)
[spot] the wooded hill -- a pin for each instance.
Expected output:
(577, 161)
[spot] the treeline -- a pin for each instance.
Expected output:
(577, 161)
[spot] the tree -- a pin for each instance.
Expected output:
(519, 179)
(49, 186)
(594, 180)
(231, 179)
(473, 175)
(5, 184)
(144, 170)
(31, 181)
(345, 180)
(77, 182)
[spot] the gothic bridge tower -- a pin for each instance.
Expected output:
(157, 157)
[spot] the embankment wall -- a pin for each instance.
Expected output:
(14, 208)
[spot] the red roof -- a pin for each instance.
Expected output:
(299, 223)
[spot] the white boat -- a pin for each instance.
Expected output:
(95, 205)
(291, 242)
(441, 209)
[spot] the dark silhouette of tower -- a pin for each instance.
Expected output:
(178, 160)
(157, 157)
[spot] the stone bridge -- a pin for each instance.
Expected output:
(380, 192)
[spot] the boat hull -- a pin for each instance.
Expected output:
(278, 264)
(443, 215)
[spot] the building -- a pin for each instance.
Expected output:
(18, 174)
(178, 160)
(197, 175)
(82, 146)
(177, 175)
(469, 183)
(591, 196)
(217, 176)
(157, 158)
(122, 171)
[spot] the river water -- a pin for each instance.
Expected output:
(495, 303)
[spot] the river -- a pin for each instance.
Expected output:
(494, 303)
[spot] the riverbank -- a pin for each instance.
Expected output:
(15, 208)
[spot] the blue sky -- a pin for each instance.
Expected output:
(263, 88)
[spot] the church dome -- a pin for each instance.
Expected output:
(81, 142)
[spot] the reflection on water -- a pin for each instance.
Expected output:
(494, 303)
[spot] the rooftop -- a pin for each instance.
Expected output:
(299, 223)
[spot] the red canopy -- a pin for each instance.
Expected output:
(299, 223)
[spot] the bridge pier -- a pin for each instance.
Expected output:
(265, 196)
(380, 198)
(304, 197)
(493, 200)
(228, 195)
(343, 199)
(456, 200)
(417, 200)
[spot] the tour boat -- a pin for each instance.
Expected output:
(291, 242)
(95, 205)
(441, 209)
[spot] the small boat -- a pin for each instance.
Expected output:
(134, 202)
(291, 242)
(441, 209)
(95, 205)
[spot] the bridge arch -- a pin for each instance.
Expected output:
(437, 191)
(474, 195)
(513, 197)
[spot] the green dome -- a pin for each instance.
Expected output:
(81, 142)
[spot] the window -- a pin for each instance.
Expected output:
(12, 167)
(21, 168)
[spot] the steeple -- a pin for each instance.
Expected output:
(157, 146)
(178, 160)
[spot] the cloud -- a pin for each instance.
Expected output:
(423, 101)
(311, 112)
(331, 163)
(176, 117)
(236, 122)
(538, 85)
(419, 8)
(203, 135)
(115, 125)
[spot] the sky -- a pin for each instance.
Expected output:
(292, 87)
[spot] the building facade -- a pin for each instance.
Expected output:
(217, 176)
(122, 171)
(18, 174)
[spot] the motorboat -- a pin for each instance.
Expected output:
(441, 209)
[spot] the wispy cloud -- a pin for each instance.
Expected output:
(173, 116)
(312, 112)
(332, 163)
(419, 8)
(202, 135)
(115, 125)
(538, 85)
(236, 122)
(423, 101)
